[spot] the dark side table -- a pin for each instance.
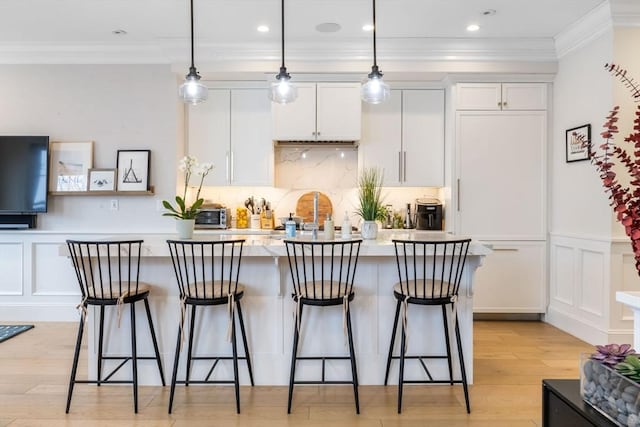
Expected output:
(562, 406)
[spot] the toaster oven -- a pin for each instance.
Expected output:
(213, 218)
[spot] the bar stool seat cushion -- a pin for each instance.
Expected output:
(430, 290)
(324, 290)
(113, 291)
(209, 290)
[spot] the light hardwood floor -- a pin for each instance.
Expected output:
(511, 359)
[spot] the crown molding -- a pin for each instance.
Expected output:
(333, 52)
(582, 32)
(625, 13)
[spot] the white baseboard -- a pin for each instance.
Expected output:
(585, 331)
(38, 312)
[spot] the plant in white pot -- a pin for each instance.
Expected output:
(186, 215)
(371, 208)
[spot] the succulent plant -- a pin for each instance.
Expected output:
(611, 354)
(630, 368)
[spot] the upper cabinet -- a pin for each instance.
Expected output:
(322, 112)
(232, 130)
(405, 137)
(501, 96)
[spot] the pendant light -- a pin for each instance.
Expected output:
(375, 90)
(282, 91)
(192, 91)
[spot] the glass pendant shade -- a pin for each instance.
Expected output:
(282, 91)
(375, 90)
(192, 91)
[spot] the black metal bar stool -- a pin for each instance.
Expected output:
(429, 274)
(108, 273)
(207, 275)
(322, 273)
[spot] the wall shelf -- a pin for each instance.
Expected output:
(149, 192)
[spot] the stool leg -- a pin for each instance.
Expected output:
(176, 359)
(134, 357)
(401, 374)
(74, 367)
(393, 341)
(100, 344)
(191, 328)
(445, 324)
(236, 382)
(463, 371)
(292, 374)
(155, 341)
(244, 341)
(352, 356)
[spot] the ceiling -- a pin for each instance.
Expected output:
(158, 30)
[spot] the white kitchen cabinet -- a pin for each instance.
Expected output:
(501, 96)
(232, 130)
(322, 112)
(511, 279)
(500, 187)
(405, 137)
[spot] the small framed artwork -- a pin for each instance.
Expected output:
(577, 141)
(102, 180)
(133, 170)
(69, 165)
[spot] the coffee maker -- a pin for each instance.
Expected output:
(428, 214)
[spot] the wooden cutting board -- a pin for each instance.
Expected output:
(304, 207)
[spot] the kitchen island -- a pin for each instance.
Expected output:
(268, 309)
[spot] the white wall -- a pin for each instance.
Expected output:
(117, 107)
(581, 94)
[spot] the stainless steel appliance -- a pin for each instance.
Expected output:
(428, 214)
(213, 218)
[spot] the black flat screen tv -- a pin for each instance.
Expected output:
(24, 172)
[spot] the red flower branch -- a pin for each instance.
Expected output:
(625, 200)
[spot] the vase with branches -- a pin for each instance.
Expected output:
(611, 159)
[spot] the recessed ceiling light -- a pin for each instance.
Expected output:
(119, 32)
(328, 27)
(263, 29)
(473, 27)
(367, 27)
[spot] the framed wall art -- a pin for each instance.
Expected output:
(133, 170)
(577, 151)
(69, 165)
(102, 180)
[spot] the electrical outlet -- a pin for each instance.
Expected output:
(113, 205)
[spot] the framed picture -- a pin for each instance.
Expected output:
(133, 170)
(102, 180)
(576, 150)
(69, 165)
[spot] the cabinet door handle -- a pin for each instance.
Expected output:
(399, 166)
(404, 166)
(313, 133)
(232, 174)
(228, 169)
(505, 249)
(499, 104)
(458, 194)
(318, 133)
(504, 104)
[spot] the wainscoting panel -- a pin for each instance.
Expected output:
(12, 281)
(563, 273)
(590, 277)
(47, 260)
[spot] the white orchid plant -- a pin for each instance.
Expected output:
(189, 165)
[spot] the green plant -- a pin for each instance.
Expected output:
(369, 195)
(189, 165)
(630, 368)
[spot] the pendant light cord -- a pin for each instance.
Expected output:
(282, 27)
(375, 64)
(192, 62)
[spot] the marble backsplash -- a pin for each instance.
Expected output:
(331, 170)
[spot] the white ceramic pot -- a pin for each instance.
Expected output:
(184, 227)
(369, 230)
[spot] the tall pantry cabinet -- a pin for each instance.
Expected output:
(500, 191)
